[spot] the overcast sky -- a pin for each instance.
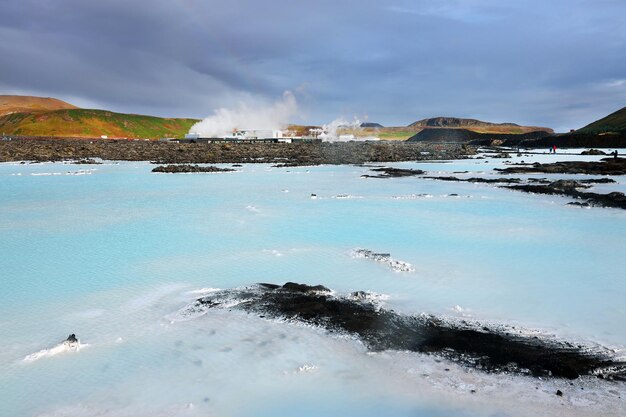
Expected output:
(556, 63)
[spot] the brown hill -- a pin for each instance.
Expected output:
(28, 104)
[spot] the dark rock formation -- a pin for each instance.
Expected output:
(394, 173)
(488, 349)
(444, 135)
(607, 166)
(185, 168)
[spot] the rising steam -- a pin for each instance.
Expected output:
(244, 116)
(331, 130)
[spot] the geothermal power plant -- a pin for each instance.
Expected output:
(315, 135)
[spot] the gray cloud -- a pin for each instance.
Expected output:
(558, 64)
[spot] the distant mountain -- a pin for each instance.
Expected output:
(371, 125)
(28, 104)
(613, 123)
(454, 122)
(451, 135)
(474, 125)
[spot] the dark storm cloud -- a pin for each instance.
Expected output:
(558, 64)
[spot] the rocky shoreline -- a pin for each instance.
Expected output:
(43, 150)
(501, 349)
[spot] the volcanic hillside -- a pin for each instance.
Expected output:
(36, 116)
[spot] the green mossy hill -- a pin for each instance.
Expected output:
(613, 123)
(92, 123)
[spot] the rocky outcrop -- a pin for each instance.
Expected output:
(488, 348)
(186, 168)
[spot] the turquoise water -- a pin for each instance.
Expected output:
(113, 253)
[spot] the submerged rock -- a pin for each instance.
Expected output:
(71, 344)
(86, 161)
(477, 180)
(394, 173)
(593, 152)
(471, 344)
(396, 265)
(184, 168)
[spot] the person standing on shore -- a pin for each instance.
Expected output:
(615, 154)
(553, 148)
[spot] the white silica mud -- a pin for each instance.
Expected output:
(117, 257)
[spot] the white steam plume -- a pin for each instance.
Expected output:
(331, 131)
(269, 117)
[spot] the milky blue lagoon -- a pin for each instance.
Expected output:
(113, 252)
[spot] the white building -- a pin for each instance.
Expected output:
(254, 134)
